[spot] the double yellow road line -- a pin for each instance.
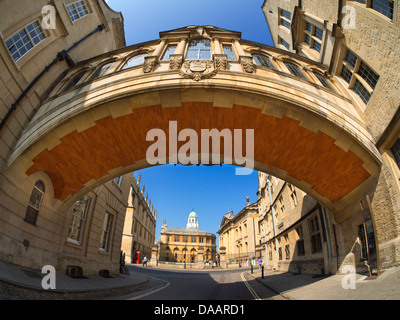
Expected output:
(254, 294)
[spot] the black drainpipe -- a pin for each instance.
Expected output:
(61, 56)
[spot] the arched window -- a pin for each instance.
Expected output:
(101, 71)
(295, 70)
(199, 49)
(74, 81)
(264, 61)
(135, 61)
(35, 201)
(324, 81)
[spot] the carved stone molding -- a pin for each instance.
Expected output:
(198, 70)
(175, 61)
(247, 63)
(220, 61)
(150, 64)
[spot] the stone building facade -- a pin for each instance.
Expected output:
(91, 245)
(140, 224)
(238, 236)
(40, 41)
(190, 245)
(294, 232)
(356, 41)
(332, 128)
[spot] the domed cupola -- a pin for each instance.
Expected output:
(193, 221)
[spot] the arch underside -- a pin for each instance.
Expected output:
(309, 159)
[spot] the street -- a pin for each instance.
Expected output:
(167, 284)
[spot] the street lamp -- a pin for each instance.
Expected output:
(238, 241)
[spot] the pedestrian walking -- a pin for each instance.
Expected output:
(259, 263)
(145, 261)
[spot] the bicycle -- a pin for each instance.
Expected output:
(123, 269)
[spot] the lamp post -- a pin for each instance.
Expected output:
(238, 241)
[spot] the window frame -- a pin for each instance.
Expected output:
(199, 51)
(131, 57)
(73, 4)
(170, 45)
(349, 73)
(32, 210)
(368, 4)
(262, 63)
(81, 220)
(106, 229)
(285, 18)
(233, 54)
(315, 234)
(313, 38)
(28, 36)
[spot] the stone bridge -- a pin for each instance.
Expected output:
(93, 125)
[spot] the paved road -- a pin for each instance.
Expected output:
(200, 285)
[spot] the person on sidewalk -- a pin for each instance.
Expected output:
(145, 261)
(259, 261)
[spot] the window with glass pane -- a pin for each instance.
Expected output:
(383, 6)
(368, 75)
(199, 49)
(286, 14)
(35, 201)
(307, 39)
(361, 91)
(285, 23)
(285, 43)
(346, 74)
(74, 81)
(323, 80)
(77, 10)
(295, 70)
(316, 46)
(118, 181)
(351, 59)
(318, 33)
(264, 61)
(170, 50)
(396, 152)
(24, 40)
(360, 1)
(101, 71)
(78, 218)
(228, 50)
(135, 61)
(105, 233)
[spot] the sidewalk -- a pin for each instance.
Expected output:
(306, 287)
(22, 283)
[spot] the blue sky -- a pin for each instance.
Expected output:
(145, 19)
(176, 190)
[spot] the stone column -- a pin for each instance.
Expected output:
(222, 257)
(200, 257)
(154, 256)
(245, 61)
(151, 61)
(220, 59)
(176, 59)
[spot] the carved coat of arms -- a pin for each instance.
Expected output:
(198, 70)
